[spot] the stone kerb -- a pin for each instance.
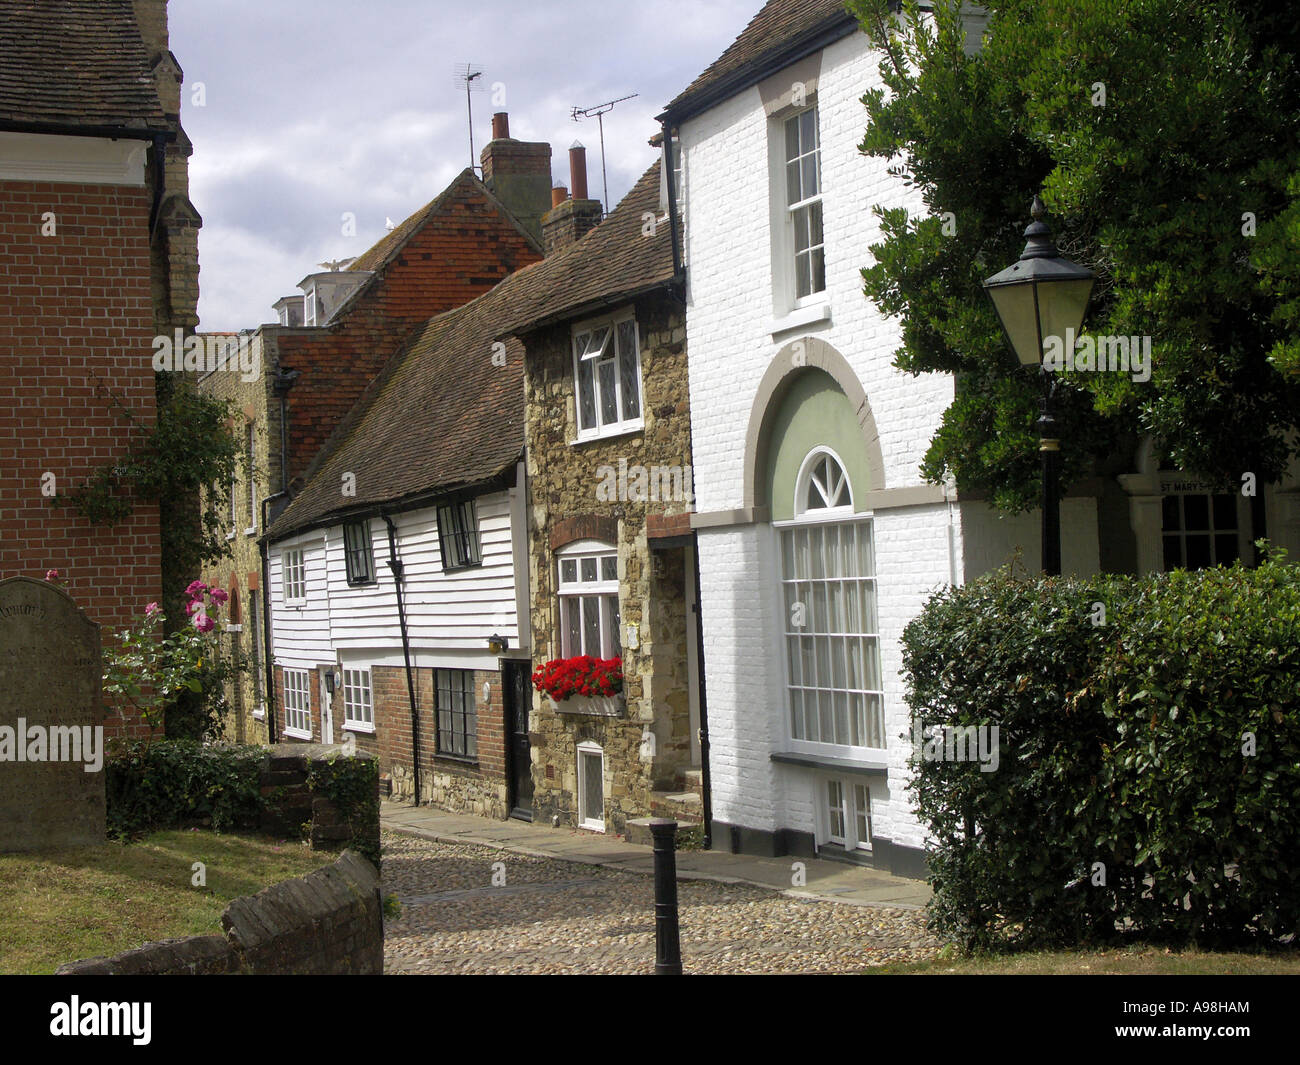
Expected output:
(51, 720)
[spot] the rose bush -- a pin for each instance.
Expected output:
(182, 676)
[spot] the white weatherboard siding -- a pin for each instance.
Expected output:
(301, 633)
(731, 343)
(449, 615)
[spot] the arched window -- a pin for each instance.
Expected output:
(828, 579)
(589, 611)
(823, 484)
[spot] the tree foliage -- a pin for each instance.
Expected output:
(1163, 138)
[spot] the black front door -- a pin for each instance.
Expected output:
(517, 684)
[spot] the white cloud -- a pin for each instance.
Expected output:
(313, 110)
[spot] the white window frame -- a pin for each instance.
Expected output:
(790, 212)
(602, 589)
(250, 455)
(840, 517)
(234, 501)
(293, 575)
(358, 696)
(297, 703)
(585, 750)
(608, 351)
(852, 796)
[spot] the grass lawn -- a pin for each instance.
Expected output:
(61, 905)
(1122, 961)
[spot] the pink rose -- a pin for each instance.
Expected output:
(204, 623)
(218, 596)
(151, 610)
(51, 575)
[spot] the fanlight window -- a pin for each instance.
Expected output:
(827, 485)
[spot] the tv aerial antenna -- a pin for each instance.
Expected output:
(466, 75)
(599, 111)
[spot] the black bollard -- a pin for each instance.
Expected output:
(668, 944)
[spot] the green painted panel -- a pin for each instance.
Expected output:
(814, 413)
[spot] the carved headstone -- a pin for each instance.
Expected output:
(51, 720)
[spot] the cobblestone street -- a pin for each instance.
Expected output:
(552, 916)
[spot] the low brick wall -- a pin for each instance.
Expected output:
(327, 922)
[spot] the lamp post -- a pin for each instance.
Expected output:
(1041, 296)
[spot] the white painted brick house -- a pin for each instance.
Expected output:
(807, 447)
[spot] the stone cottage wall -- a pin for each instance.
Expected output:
(564, 506)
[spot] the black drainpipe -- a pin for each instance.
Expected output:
(395, 564)
(672, 198)
(272, 713)
(706, 779)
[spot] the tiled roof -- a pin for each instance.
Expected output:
(442, 414)
(373, 257)
(75, 63)
(774, 28)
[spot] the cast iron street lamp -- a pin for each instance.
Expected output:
(1043, 295)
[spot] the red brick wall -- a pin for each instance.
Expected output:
(460, 252)
(393, 726)
(76, 329)
(391, 740)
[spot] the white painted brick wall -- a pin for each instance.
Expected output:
(729, 251)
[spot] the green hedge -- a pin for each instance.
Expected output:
(1148, 773)
(166, 783)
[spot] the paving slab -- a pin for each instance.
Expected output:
(826, 880)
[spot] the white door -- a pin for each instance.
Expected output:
(326, 711)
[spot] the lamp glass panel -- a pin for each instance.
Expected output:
(1061, 305)
(1015, 307)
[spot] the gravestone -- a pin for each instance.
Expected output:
(51, 720)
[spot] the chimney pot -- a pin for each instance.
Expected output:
(578, 170)
(558, 195)
(500, 125)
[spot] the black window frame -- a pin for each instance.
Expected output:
(447, 684)
(353, 552)
(458, 530)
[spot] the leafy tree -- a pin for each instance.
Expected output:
(1163, 138)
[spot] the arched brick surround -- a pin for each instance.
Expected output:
(583, 527)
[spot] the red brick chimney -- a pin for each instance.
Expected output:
(571, 219)
(518, 173)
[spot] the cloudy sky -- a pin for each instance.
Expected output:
(313, 109)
